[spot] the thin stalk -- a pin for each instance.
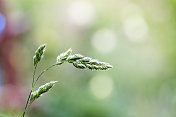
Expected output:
(33, 85)
(26, 106)
(43, 73)
(33, 78)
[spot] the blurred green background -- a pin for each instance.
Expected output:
(138, 37)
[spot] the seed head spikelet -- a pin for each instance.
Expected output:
(73, 58)
(39, 53)
(63, 56)
(81, 62)
(41, 90)
(79, 65)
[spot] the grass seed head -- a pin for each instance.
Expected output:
(41, 90)
(39, 53)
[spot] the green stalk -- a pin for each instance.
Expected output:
(43, 73)
(26, 106)
(33, 85)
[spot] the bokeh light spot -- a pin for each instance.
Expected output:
(101, 86)
(80, 13)
(135, 28)
(104, 40)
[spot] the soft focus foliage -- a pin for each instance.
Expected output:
(136, 36)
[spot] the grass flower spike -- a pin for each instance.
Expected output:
(39, 54)
(81, 62)
(41, 90)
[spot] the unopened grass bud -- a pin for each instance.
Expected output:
(39, 54)
(41, 90)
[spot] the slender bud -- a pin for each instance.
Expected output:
(41, 90)
(87, 62)
(81, 62)
(39, 53)
(63, 56)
